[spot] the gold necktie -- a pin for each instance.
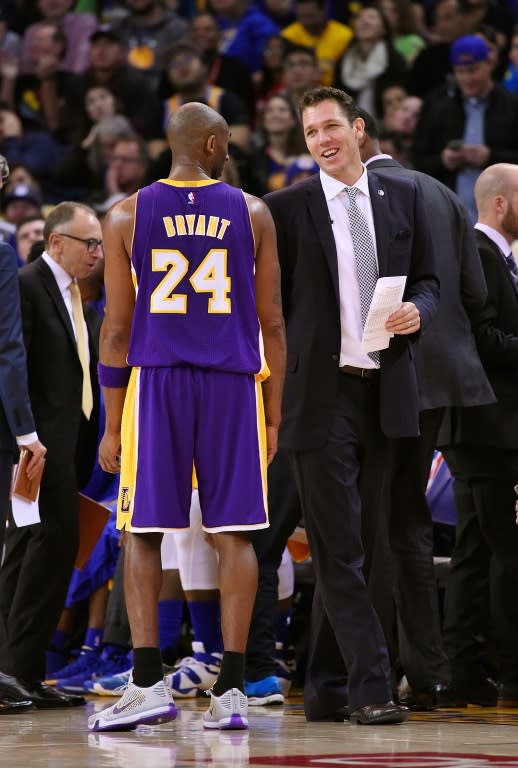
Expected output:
(82, 348)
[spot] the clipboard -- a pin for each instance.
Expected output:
(92, 520)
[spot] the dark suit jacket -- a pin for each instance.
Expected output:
(15, 410)
(309, 271)
(449, 371)
(497, 342)
(55, 375)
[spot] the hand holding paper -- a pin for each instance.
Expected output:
(386, 300)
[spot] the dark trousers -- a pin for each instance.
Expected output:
(284, 515)
(6, 471)
(482, 588)
(34, 581)
(421, 650)
(341, 486)
(116, 626)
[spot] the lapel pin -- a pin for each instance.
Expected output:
(380, 192)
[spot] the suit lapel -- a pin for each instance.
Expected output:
(319, 213)
(50, 285)
(380, 213)
(479, 235)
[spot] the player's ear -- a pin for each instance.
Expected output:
(211, 144)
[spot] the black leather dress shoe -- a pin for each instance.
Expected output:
(428, 699)
(338, 716)
(45, 697)
(13, 707)
(483, 693)
(12, 689)
(374, 714)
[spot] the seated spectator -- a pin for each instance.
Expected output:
(280, 142)
(313, 29)
(431, 66)
(20, 202)
(403, 122)
(227, 72)
(36, 150)
(391, 98)
(127, 171)
(87, 162)
(246, 30)
(108, 67)
(188, 75)
(39, 95)
(77, 28)
(147, 31)
(457, 135)
(28, 232)
(403, 24)
(371, 62)
(270, 78)
(510, 80)
(300, 72)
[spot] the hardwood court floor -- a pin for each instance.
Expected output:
(278, 736)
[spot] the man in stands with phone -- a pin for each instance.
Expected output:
(457, 135)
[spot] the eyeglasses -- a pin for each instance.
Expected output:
(90, 242)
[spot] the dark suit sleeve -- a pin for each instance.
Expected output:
(473, 286)
(13, 363)
(422, 283)
(496, 347)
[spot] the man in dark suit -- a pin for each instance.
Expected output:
(483, 457)
(449, 373)
(340, 404)
(16, 420)
(61, 363)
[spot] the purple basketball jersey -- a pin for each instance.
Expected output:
(193, 262)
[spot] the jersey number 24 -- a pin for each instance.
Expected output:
(209, 277)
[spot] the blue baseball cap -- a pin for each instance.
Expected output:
(468, 50)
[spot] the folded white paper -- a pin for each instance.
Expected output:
(25, 512)
(387, 298)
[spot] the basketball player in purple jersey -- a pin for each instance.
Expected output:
(192, 342)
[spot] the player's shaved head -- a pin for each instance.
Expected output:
(193, 123)
(198, 135)
(493, 181)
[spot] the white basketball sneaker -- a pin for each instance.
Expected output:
(137, 706)
(228, 711)
(194, 674)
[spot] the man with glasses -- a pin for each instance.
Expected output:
(61, 343)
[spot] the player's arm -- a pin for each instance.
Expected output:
(269, 310)
(116, 327)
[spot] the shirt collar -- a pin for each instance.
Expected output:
(493, 234)
(381, 156)
(61, 277)
(333, 187)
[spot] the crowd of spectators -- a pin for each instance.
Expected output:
(86, 88)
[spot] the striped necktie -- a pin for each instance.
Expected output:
(82, 348)
(365, 255)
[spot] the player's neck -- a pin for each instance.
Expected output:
(188, 171)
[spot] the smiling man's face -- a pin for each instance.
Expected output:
(332, 140)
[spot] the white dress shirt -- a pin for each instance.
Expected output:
(351, 352)
(64, 281)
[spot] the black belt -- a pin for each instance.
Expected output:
(364, 373)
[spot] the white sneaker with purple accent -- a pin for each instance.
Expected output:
(137, 706)
(228, 711)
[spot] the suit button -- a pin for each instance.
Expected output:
(334, 357)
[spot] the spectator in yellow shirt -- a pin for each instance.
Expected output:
(313, 29)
